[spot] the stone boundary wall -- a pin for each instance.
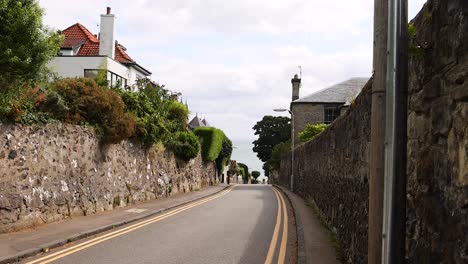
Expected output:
(56, 171)
(333, 169)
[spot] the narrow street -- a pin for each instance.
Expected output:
(242, 224)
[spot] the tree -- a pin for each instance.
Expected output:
(278, 152)
(26, 45)
(310, 131)
(271, 130)
(255, 174)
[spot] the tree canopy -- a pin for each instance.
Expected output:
(26, 45)
(271, 130)
(255, 174)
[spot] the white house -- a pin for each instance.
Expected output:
(82, 54)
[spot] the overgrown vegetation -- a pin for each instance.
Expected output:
(89, 104)
(414, 48)
(311, 131)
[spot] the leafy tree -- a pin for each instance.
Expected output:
(278, 152)
(266, 169)
(271, 130)
(26, 45)
(310, 131)
(255, 174)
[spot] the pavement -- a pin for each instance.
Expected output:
(29, 242)
(241, 224)
(314, 244)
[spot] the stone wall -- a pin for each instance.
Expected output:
(333, 169)
(437, 213)
(52, 172)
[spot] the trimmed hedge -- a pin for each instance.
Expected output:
(246, 170)
(211, 140)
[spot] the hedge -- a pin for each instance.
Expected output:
(211, 140)
(246, 170)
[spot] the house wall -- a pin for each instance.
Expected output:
(304, 114)
(74, 66)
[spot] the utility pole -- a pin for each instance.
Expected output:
(377, 132)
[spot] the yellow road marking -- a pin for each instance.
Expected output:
(97, 240)
(274, 239)
(284, 239)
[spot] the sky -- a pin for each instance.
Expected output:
(233, 60)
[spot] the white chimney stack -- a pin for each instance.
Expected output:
(107, 36)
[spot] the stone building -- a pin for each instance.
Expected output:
(324, 106)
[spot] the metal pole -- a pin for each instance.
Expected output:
(398, 247)
(292, 150)
(389, 132)
(377, 132)
(394, 230)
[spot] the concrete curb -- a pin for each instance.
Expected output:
(301, 255)
(57, 243)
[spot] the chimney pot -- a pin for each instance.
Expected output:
(296, 85)
(107, 35)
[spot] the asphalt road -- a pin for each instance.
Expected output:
(239, 225)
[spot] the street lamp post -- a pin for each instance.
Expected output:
(292, 143)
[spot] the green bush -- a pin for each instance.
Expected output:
(186, 145)
(310, 131)
(211, 140)
(98, 106)
(177, 116)
(159, 115)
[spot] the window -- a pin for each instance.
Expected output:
(331, 113)
(113, 80)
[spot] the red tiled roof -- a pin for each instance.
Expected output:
(121, 55)
(79, 33)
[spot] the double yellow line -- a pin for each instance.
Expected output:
(284, 238)
(100, 239)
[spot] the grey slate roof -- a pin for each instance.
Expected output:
(198, 122)
(342, 92)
